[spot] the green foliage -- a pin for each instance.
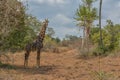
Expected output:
(71, 41)
(57, 40)
(51, 44)
(11, 16)
(101, 75)
(100, 51)
(6, 66)
(18, 29)
(86, 14)
(14, 40)
(71, 37)
(12, 24)
(111, 37)
(17, 39)
(50, 32)
(32, 23)
(94, 36)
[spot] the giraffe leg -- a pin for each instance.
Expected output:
(38, 58)
(26, 59)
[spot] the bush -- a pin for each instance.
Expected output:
(101, 75)
(6, 66)
(100, 51)
(50, 44)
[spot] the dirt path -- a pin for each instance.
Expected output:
(62, 66)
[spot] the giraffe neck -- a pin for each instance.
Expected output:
(42, 33)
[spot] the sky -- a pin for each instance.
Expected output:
(61, 14)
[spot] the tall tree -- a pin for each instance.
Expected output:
(11, 16)
(16, 27)
(101, 41)
(85, 15)
(11, 21)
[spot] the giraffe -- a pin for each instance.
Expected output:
(36, 45)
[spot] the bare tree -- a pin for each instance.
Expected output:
(101, 41)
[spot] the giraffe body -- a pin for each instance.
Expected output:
(36, 45)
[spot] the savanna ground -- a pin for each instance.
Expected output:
(60, 66)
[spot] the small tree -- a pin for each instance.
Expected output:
(12, 16)
(50, 32)
(85, 15)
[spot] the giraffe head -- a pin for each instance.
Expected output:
(45, 23)
(43, 30)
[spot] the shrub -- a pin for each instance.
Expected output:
(101, 75)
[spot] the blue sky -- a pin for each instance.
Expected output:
(61, 14)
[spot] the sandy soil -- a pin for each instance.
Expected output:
(61, 66)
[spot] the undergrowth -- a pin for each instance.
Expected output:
(7, 66)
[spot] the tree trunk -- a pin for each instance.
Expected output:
(101, 41)
(83, 40)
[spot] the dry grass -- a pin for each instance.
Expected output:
(62, 66)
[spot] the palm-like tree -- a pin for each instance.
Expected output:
(86, 15)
